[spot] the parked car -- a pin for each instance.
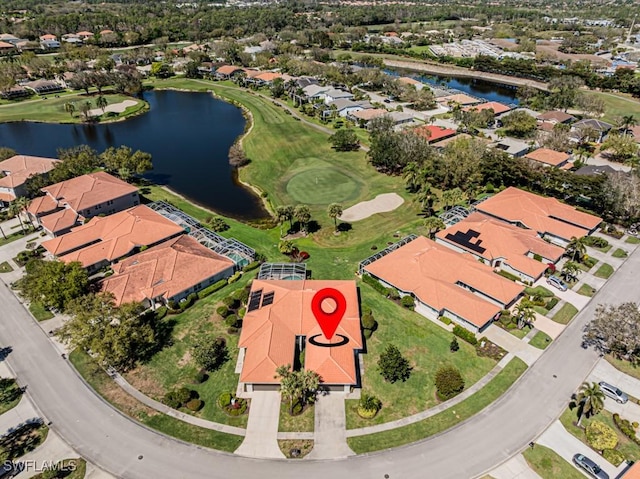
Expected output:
(613, 392)
(7, 469)
(557, 283)
(589, 467)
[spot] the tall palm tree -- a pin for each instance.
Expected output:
(570, 270)
(590, 400)
(576, 248)
(335, 210)
(433, 224)
(627, 122)
(411, 174)
(101, 102)
(15, 209)
(282, 214)
(70, 108)
(453, 197)
(525, 312)
(303, 214)
(425, 197)
(24, 203)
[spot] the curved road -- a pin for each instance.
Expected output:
(113, 442)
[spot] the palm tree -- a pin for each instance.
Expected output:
(335, 210)
(453, 197)
(576, 248)
(15, 209)
(570, 270)
(526, 313)
(433, 225)
(85, 108)
(70, 108)
(425, 197)
(303, 214)
(282, 214)
(590, 400)
(411, 174)
(286, 247)
(101, 102)
(24, 203)
(627, 122)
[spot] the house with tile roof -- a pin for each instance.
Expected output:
(556, 116)
(631, 472)
(363, 117)
(71, 202)
(16, 170)
(167, 272)
(434, 133)
(280, 325)
(500, 245)
(551, 219)
(458, 98)
(600, 129)
(497, 107)
(228, 71)
(444, 282)
(548, 157)
(418, 85)
(104, 240)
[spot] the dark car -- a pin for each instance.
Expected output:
(7, 469)
(589, 467)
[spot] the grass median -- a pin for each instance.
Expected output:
(444, 420)
(549, 465)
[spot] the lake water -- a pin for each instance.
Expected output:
(188, 135)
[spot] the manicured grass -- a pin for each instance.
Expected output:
(103, 385)
(5, 267)
(549, 465)
(419, 48)
(520, 333)
(12, 393)
(13, 237)
(541, 340)
(69, 469)
(52, 109)
(604, 271)
(626, 446)
(565, 313)
(616, 105)
(40, 312)
(444, 420)
(304, 422)
(624, 366)
(425, 345)
(619, 253)
(316, 183)
(586, 290)
(632, 240)
(540, 290)
(172, 367)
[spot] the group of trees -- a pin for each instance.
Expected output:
(614, 330)
(297, 387)
(287, 213)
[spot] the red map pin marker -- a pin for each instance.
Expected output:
(328, 320)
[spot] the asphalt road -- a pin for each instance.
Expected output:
(113, 442)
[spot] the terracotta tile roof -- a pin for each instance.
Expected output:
(369, 114)
(7, 197)
(546, 126)
(84, 34)
(459, 98)
(434, 274)
(228, 69)
(6, 45)
(268, 76)
(86, 191)
(633, 472)
(556, 116)
(42, 205)
(60, 220)
(434, 133)
(548, 157)
(497, 107)
(20, 167)
(165, 270)
(252, 73)
(493, 239)
(544, 215)
(112, 237)
(104, 32)
(48, 36)
(269, 333)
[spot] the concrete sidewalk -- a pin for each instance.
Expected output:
(515, 346)
(566, 445)
(604, 371)
(330, 428)
(261, 437)
(514, 468)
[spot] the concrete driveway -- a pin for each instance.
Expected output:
(548, 326)
(569, 296)
(262, 428)
(563, 443)
(330, 428)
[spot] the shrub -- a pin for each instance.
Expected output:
(614, 456)
(393, 366)
(210, 354)
(161, 312)
(232, 330)
(635, 424)
(537, 257)
(241, 312)
(551, 303)
(224, 400)
(445, 320)
(506, 274)
(600, 436)
(449, 382)
(596, 241)
(454, 346)
(235, 277)
(231, 320)
(367, 333)
(626, 428)
(408, 302)
(212, 289)
(242, 295)
(368, 406)
(251, 266)
(192, 298)
(231, 302)
(200, 377)
(217, 224)
(375, 284)
(194, 405)
(173, 305)
(465, 335)
(368, 322)
(178, 397)
(223, 311)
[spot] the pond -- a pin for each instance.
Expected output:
(188, 134)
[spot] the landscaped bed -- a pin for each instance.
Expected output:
(40, 312)
(549, 465)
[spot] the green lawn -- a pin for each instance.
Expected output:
(11, 393)
(604, 271)
(315, 182)
(626, 446)
(541, 340)
(444, 420)
(619, 253)
(301, 423)
(540, 290)
(52, 109)
(616, 105)
(586, 290)
(5, 267)
(549, 465)
(103, 385)
(624, 366)
(73, 469)
(40, 312)
(425, 345)
(520, 333)
(565, 313)
(632, 240)
(12, 237)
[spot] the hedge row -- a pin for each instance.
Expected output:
(375, 284)
(212, 289)
(465, 334)
(251, 266)
(626, 428)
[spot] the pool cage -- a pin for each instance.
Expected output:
(288, 271)
(385, 252)
(454, 215)
(231, 248)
